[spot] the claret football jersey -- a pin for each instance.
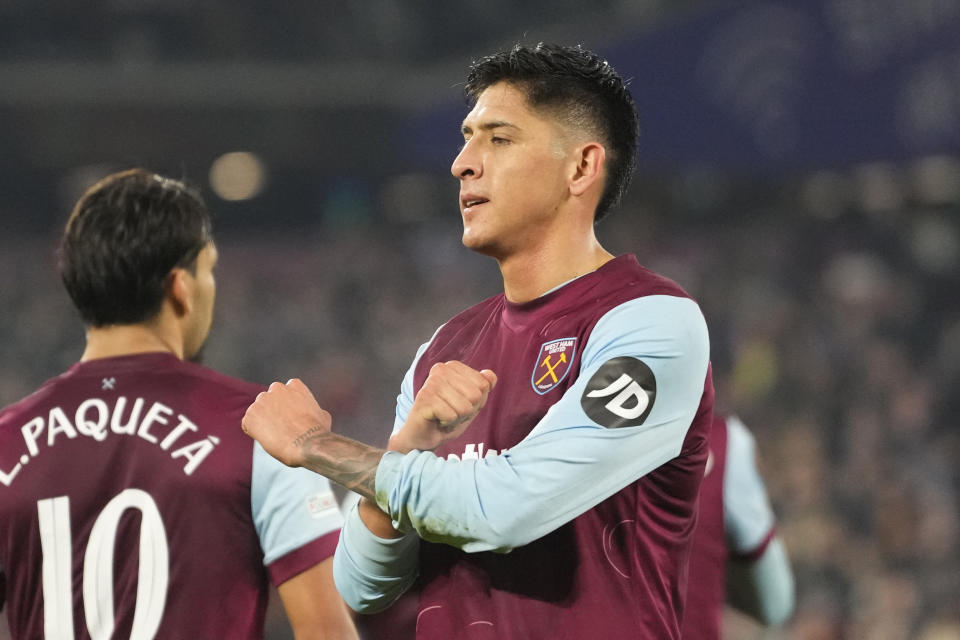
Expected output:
(566, 509)
(132, 505)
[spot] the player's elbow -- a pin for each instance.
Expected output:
(484, 529)
(498, 538)
(474, 541)
(511, 532)
(776, 616)
(775, 584)
(526, 519)
(777, 608)
(517, 534)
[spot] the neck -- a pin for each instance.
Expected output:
(529, 274)
(129, 339)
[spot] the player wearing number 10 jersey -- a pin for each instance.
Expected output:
(131, 505)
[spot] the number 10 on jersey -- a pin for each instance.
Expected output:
(56, 541)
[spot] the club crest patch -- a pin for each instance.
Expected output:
(553, 364)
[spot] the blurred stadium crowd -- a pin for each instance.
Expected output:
(835, 320)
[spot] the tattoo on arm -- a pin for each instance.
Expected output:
(342, 460)
(306, 436)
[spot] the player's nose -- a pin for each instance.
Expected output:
(467, 163)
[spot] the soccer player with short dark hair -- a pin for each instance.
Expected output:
(585, 460)
(131, 506)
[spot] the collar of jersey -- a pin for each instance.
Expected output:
(133, 361)
(520, 316)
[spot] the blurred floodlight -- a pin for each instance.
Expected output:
(239, 175)
(937, 179)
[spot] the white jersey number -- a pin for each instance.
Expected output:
(153, 577)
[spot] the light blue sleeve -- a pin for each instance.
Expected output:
(764, 587)
(747, 515)
(372, 572)
(569, 462)
(291, 507)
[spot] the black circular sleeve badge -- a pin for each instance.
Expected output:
(620, 393)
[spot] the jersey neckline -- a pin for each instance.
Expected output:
(127, 362)
(517, 315)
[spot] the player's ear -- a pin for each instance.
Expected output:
(179, 286)
(589, 168)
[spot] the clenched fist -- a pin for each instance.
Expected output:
(448, 401)
(282, 418)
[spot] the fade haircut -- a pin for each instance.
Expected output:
(578, 88)
(124, 236)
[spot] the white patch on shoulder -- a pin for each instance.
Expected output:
(320, 503)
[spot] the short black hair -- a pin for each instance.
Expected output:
(579, 88)
(124, 236)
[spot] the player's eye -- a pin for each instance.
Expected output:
(499, 140)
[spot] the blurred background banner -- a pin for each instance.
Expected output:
(800, 85)
(786, 86)
(325, 91)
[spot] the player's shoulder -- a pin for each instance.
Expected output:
(216, 379)
(631, 289)
(478, 312)
(198, 391)
(148, 372)
(28, 403)
(626, 273)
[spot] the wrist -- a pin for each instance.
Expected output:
(401, 442)
(309, 443)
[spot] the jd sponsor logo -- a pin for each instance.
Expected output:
(620, 394)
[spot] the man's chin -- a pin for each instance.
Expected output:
(478, 245)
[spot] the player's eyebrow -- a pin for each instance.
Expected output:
(488, 126)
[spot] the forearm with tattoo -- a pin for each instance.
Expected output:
(341, 459)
